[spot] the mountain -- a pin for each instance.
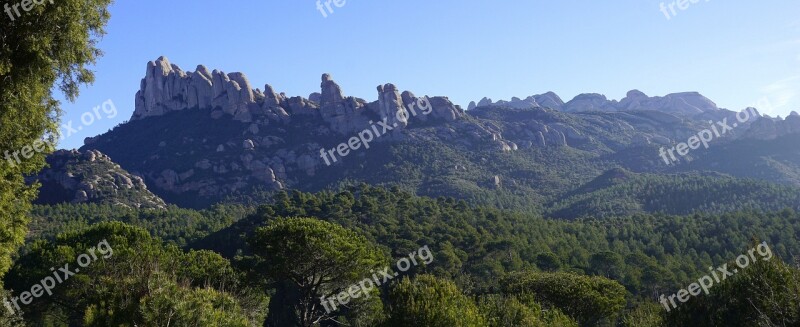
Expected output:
(92, 177)
(776, 159)
(201, 137)
(686, 103)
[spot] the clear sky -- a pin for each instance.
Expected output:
(735, 52)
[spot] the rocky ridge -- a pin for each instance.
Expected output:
(686, 103)
(92, 177)
(167, 88)
(770, 129)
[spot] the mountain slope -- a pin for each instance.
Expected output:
(622, 193)
(201, 137)
(91, 177)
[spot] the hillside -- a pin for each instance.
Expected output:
(622, 193)
(92, 177)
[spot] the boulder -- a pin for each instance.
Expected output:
(248, 145)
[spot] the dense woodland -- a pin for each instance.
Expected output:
(491, 267)
(620, 193)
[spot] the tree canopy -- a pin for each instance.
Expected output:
(49, 46)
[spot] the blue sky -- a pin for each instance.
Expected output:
(737, 53)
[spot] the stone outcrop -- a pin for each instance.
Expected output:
(343, 114)
(167, 88)
(390, 103)
(549, 100)
(589, 102)
(72, 176)
(769, 129)
(444, 109)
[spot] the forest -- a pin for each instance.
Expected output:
(272, 263)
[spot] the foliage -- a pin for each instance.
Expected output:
(429, 301)
(115, 287)
(8, 319)
(50, 45)
(548, 261)
(175, 225)
(645, 314)
(314, 259)
(508, 311)
(766, 293)
(474, 245)
(171, 305)
(589, 300)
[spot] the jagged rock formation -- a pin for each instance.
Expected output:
(546, 100)
(91, 177)
(687, 103)
(549, 100)
(167, 88)
(589, 102)
(770, 129)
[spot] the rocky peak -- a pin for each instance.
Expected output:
(549, 100)
(485, 102)
(685, 103)
(331, 92)
(271, 99)
(635, 95)
(589, 102)
(390, 103)
(166, 88)
(633, 99)
(766, 128)
(91, 177)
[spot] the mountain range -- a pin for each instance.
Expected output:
(202, 137)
